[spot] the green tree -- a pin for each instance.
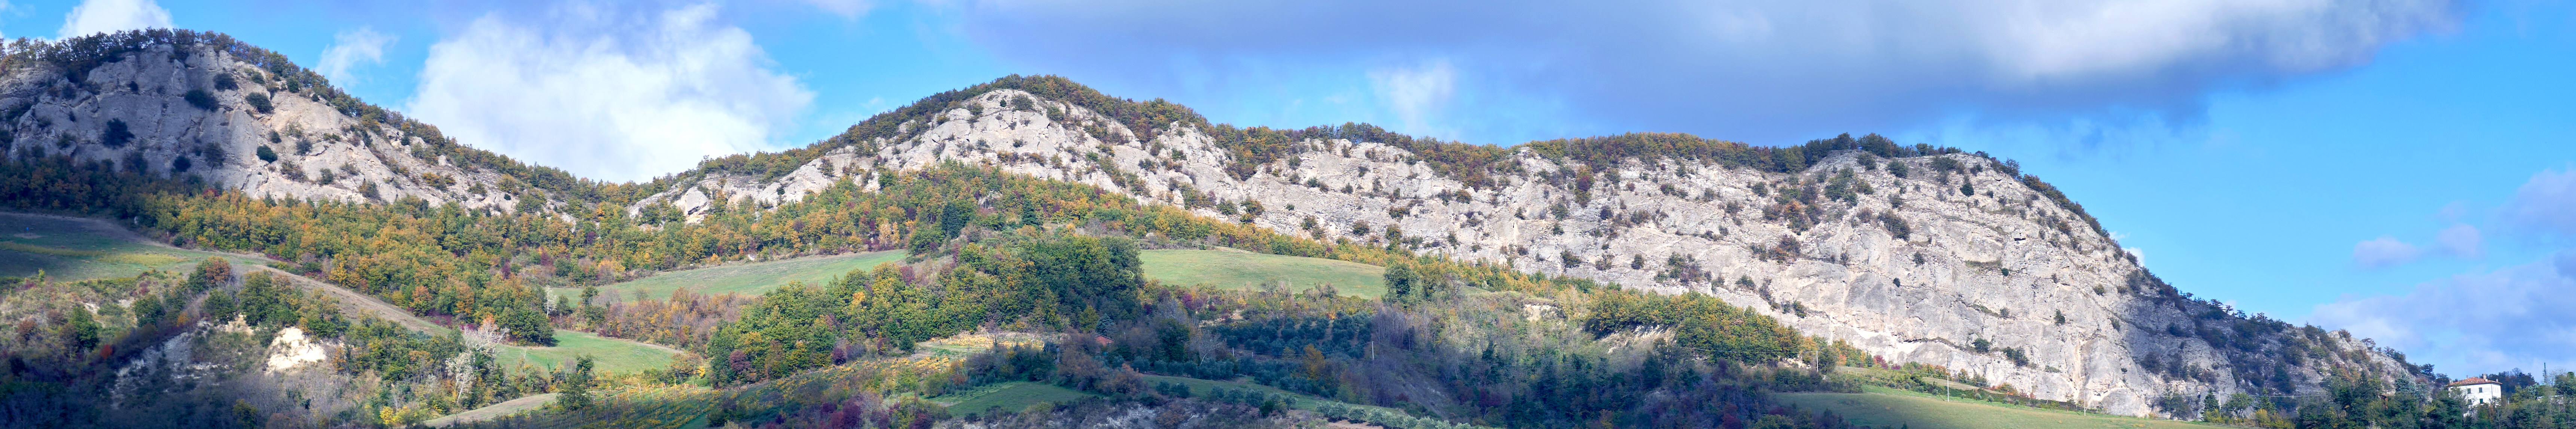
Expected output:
(575, 393)
(1401, 282)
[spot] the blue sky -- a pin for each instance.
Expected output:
(2401, 168)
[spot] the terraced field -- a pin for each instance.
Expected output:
(748, 279)
(1235, 269)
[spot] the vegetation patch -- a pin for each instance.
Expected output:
(747, 279)
(1249, 271)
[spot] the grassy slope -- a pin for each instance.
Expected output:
(748, 279)
(68, 248)
(1897, 408)
(1242, 270)
(609, 354)
(1008, 397)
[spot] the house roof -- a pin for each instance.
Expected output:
(2472, 380)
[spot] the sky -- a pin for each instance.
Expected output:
(2398, 168)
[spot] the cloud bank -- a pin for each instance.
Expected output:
(1740, 69)
(2383, 252)
(607, 93)
(2547, 202)
(2485, 321)
(103, 16)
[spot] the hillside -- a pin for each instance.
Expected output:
(1913, 253)
(1033, 204)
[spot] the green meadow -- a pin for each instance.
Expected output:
(81, 249)
(1234, 269)
(748, 278)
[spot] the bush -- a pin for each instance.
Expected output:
(266, 154)
(200, 98)
(258, 101)
(117, 135)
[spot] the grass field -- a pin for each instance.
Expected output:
(81, 249)
(1240, 270)
(609, 354)
(748, 279)
(1008, 397)
(1884, 407)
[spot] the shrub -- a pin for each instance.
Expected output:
(258, 102)
(266, 154)
(117, 134)
(200, 98)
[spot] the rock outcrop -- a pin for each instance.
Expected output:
(234, 116)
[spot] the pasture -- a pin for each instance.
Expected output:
(71, 249)
(609, 355)
(747, 278)
(1235, 269)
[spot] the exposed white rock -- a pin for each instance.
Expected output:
(146, 92)
(291, 349)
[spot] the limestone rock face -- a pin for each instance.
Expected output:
(134, 113)
(2003, 264)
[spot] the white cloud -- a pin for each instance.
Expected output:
(1417, 93)
(2462, 240)
(102, 16)
(1753, 70)
(2473, 322)
(2383, 252)
(351, 48)
(605, 93)
(2547, 201)
(844, 8)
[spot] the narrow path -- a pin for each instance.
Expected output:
(355, 302)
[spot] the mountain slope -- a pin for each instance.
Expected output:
(1918, 254)
(184, 103)
(1958, 261)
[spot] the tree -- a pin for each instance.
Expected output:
(576, 387)
(1400, 282)
(266, 154)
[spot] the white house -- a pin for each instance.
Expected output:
(2478, 390)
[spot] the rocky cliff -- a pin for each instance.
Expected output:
(180, 103)
(1916, 254)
